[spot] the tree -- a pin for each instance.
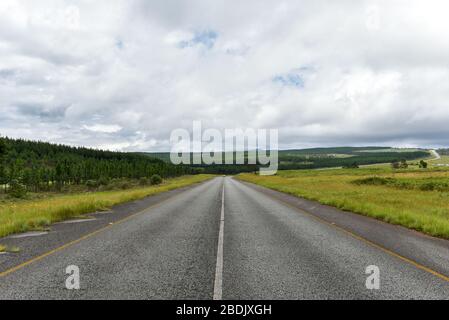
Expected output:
(155, 179)
(3, 148)
(3, 173)
(3, 176)
(44, 166)
(423, 164)
(395, 165)
(403, 164)
(17, 190)
(353, 165)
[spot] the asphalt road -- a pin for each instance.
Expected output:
(230, 240)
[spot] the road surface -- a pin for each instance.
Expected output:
(225, 239)
(436, 155)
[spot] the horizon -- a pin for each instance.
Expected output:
(238, 150)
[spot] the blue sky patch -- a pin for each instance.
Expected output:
(290, 79)
(206, 38)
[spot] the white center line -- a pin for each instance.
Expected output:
(218, 285)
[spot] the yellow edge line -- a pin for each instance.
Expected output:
(369, 242)
(89, 235)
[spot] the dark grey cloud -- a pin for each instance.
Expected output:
(41, 112)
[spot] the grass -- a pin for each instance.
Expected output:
(417, 199)
(36, 214)
(12, 249)
(443, 161)
(423, 184)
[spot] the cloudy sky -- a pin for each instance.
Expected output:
(122, 74)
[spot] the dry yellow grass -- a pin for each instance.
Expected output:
(425, 211)
(36, 214)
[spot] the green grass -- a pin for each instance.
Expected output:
(29, 215)
(443, 161)
(12, 249)
(417, 199)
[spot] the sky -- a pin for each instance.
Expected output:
(122, 74)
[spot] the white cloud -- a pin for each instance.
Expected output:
(123, 74)
(104, 128)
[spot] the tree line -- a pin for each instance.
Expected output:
(289, 162)
(42, 166)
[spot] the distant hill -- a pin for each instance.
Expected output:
(334, 150)
(313, 158)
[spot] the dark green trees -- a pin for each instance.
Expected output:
(423, 164)
(42, 166)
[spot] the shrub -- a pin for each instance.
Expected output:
(428, 186)
(155, 179)
(395, 165)
(403, 164)
(423, 164)
(374, 181)
(17, 190)
(91, 184)
(143, 181)
(434, 186)
(103, 181)
(353, 165)
(125, 185)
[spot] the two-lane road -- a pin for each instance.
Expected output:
(221, 238)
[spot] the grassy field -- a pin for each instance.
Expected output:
(417, 199)
(443, 161)
(37, 214)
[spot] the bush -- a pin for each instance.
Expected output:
(125, 185)
(17, 190)
(395, 165)
(103, 181)
(143, 181)
(403, 164)
(428, 186)
(353, 165)
(375, 181)
(399, 164)
(423, 164)
(116, 184)
(91, 184)
(435, 186)
(155, 179)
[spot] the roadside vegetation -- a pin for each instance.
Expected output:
(37, 213)
(411, 197)
(33, 166)
(11, 249)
